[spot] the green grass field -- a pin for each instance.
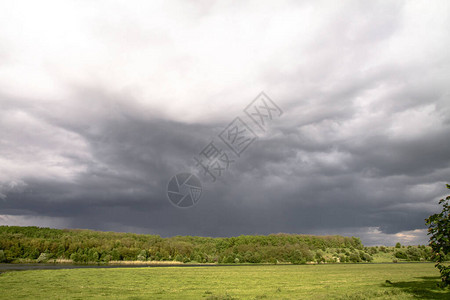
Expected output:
(329, 281)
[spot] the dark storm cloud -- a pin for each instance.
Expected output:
(361, 148)
(281, 184)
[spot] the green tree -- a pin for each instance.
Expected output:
(439, 229)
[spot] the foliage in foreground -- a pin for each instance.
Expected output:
(439, 229)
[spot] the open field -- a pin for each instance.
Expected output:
(329, 281)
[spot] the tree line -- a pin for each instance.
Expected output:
(26, 244)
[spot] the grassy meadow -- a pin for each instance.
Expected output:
(325, 281)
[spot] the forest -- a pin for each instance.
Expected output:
(34, 244)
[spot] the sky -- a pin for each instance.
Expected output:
(103, 102)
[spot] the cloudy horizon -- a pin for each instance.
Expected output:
(102, 103)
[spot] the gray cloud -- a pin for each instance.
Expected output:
(90, 139)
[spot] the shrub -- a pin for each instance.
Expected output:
(372, 250)
(301, 255)
(367, 257)
(142, 255)
(2, 256)
(94, 256)
(319, 256)
(178, 257)
(115, 255)
(44, 257)
(106, 258)
(400, 254)
(75, 257)
(354, 257)
(414, 254)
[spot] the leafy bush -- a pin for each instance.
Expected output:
(343, 258)
(105, 258)
(178, 257)
(319, 256)
(372, 250)
(75, 257)
(297, 257)
(413, 253)
(354, 257)
(94, 256)
(400, 254)
(2, 256)
(367, 257)
(142, 255)
(44, 257)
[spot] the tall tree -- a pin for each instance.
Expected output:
(439, 229)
